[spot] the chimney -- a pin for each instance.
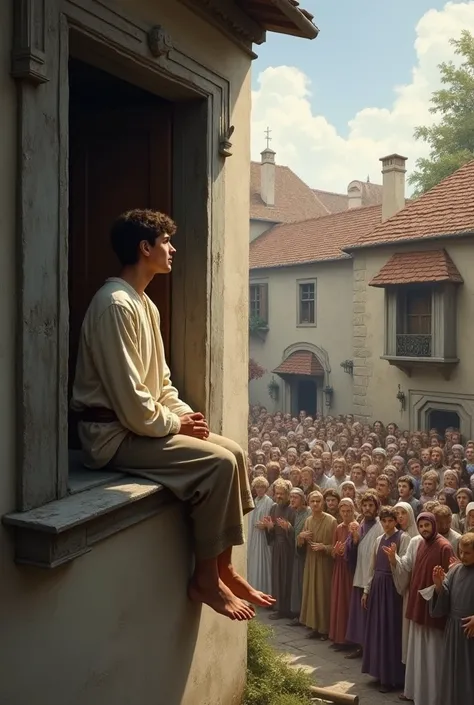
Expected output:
(267, 177)
(354, 193)
(393, 197)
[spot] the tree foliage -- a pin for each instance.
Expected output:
(255, 370)
(451, 138)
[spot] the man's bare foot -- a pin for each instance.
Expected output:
(241, 588)
(221, 599)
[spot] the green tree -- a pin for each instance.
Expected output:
(451, 139)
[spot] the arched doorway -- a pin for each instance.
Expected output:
(303, 375)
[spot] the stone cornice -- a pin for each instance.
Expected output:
(227, 17)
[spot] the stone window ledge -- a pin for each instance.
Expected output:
(408, 365)
(99, 505)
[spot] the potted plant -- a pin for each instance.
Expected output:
(273, 389)
(258, 327)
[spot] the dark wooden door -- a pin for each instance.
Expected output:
(119, 159)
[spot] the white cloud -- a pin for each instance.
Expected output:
(311, 146)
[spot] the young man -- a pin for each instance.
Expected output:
(444, 517)
(383, 489)
(383, 640)
(360, 546)
(454, 598)
(406, 488)
(425, 634)
(131, 417)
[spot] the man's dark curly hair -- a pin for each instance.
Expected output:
(132, 227)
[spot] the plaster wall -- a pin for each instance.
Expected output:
(375, 380)
(115, 627)
(332, 332)
(258, 227)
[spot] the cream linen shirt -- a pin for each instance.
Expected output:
(121, 365)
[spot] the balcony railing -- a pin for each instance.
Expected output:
(410, 345)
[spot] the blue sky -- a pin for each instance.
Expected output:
(337, 104)
(364, 48)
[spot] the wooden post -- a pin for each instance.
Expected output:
(333, 696)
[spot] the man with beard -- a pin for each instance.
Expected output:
(302, 512)
(425, 633)
(444, 517)
(360, 546)
(278, 525)
(454, 598)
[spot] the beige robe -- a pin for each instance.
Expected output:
(316, 604)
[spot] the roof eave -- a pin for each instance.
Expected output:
(444, 280)
(299, 264)
(303, 27)
(403, 241)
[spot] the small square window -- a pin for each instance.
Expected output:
(258, 302)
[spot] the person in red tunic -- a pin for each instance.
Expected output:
(342, 578)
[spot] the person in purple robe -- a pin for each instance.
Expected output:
(383, 632)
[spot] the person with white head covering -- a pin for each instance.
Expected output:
(259, 553)
(406, 522)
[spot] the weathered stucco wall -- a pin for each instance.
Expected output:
(333, 329)
(258, 227)
(115, 626)
(375, 380)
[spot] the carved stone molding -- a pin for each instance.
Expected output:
(159, 42)
(29, 40)
(225, 145)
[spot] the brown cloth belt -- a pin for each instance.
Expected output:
(95, 414)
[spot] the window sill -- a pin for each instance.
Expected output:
(100, 504)
(306, 325)
(408, 365)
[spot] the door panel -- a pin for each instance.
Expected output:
(119, 159)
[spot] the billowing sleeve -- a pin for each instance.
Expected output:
(170, 398)
(401, 572)
(116, 356)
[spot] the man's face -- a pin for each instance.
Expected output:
(435, 456)
(348, 491)
(470, 454)
(382, 488)
(302, 415)
(369, 509)
(371, 476)
(425, 529)
(326, 458)
(388, 525)
(463, 500)
(332, 503)
(306, 478)
(357, 476)
(466, 554)
(295, 477)
(425, 456)
(379, 459)
(415, 469)
(316, 503)
(291, 456)
(260, 490)
(280, 496)
(443, 524)
(346, 512)
(450, 481)
(296, 501)
(429, 486)
(318, 467)
(159, 256)
(404, 490)
(338, 469)
(398, 464)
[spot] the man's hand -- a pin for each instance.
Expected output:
(317, 547)
(391, 553)
(468, 626)
(306, 535)
(283, 524)
(354, 531)
(268, 523)
(338, 549)
(194, 425)
(438, 577)
(363, 601)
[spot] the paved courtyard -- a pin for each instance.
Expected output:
(329, 668)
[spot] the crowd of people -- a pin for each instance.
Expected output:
(364, 534)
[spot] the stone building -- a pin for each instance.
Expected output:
(108, 105)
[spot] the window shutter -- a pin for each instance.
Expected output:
(264, 302)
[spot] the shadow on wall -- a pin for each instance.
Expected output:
(113, 627)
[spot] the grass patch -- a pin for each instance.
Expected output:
(270, 678)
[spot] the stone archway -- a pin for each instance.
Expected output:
(293, 383)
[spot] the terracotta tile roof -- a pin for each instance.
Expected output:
(418, 268)
(445, 210)
(294, 200)
(283, 16)
(337, 202)
(301, 362)
(312, 240)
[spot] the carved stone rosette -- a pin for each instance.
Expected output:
(29, 40)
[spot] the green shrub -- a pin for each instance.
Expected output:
(270, 678)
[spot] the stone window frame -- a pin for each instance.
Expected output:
(46, 32)
(299, 283)
(421, 403)
(264, 286)
(443, 327)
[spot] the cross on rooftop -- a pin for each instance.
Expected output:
(268, 132)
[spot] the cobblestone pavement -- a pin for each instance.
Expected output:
(329, 668)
